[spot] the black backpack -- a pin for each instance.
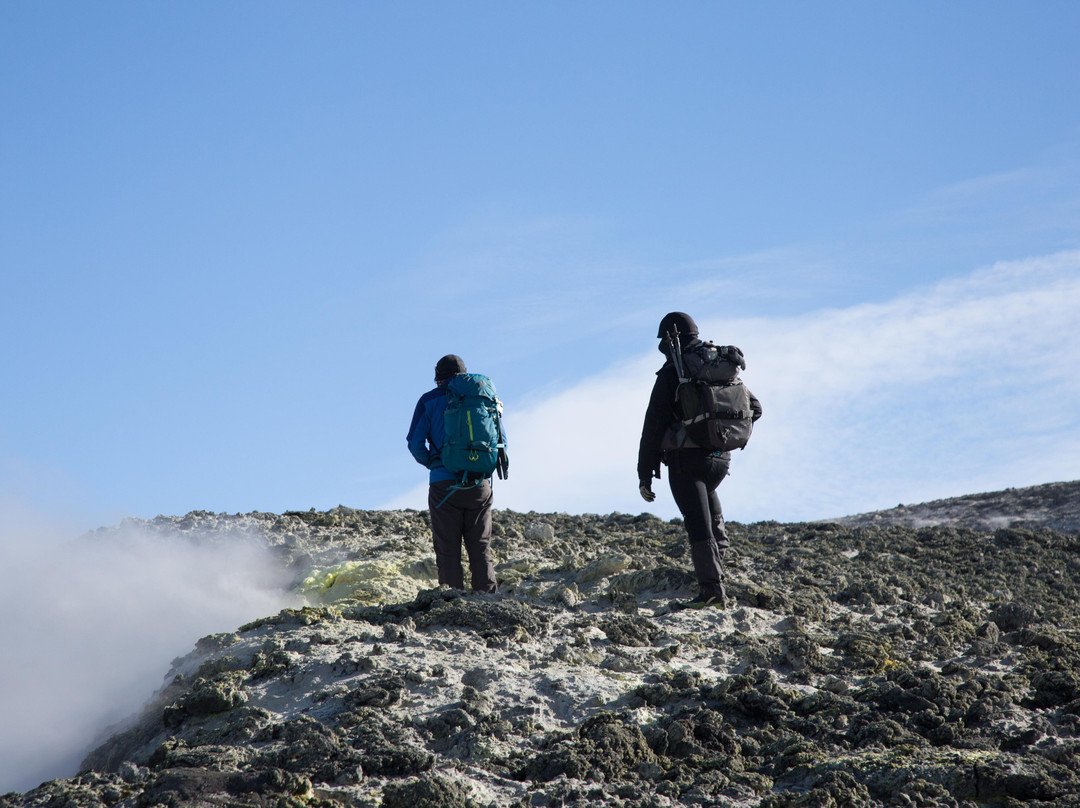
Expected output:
(711, 400)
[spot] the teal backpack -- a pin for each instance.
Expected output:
(474, 443)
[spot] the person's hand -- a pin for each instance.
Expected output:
(646, 492)
(502, 466)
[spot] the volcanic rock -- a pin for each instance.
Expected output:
(863, 662)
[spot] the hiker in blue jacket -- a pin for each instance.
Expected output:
(458, 513)
(694, 473)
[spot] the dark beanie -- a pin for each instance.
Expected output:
(449, 365)
(677, 320)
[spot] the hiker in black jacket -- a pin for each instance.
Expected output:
(693, 472)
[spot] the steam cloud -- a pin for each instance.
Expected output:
(90, 627)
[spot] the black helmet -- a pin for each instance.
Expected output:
(449, 365)
(679, 321)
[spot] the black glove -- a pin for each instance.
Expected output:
(732, 354)
(645, 488)
(434, 462)
(502, 465)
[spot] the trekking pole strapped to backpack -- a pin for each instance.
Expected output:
(675, 347)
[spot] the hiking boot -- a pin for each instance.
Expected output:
(715, 600)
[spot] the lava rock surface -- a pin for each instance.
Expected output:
(860, 664)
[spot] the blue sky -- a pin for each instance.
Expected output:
(235, 238)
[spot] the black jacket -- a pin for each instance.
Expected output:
(660, 416)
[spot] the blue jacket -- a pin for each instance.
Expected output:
(427, 433)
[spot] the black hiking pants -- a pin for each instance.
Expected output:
(464, 516)
(694, 475)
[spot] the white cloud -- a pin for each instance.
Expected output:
(961, 387)
(965, 386)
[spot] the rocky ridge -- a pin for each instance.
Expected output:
(1054, 505)
(860, 665)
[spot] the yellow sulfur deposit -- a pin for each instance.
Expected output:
(370, 582)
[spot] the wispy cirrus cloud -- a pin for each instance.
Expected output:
(964, 386)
